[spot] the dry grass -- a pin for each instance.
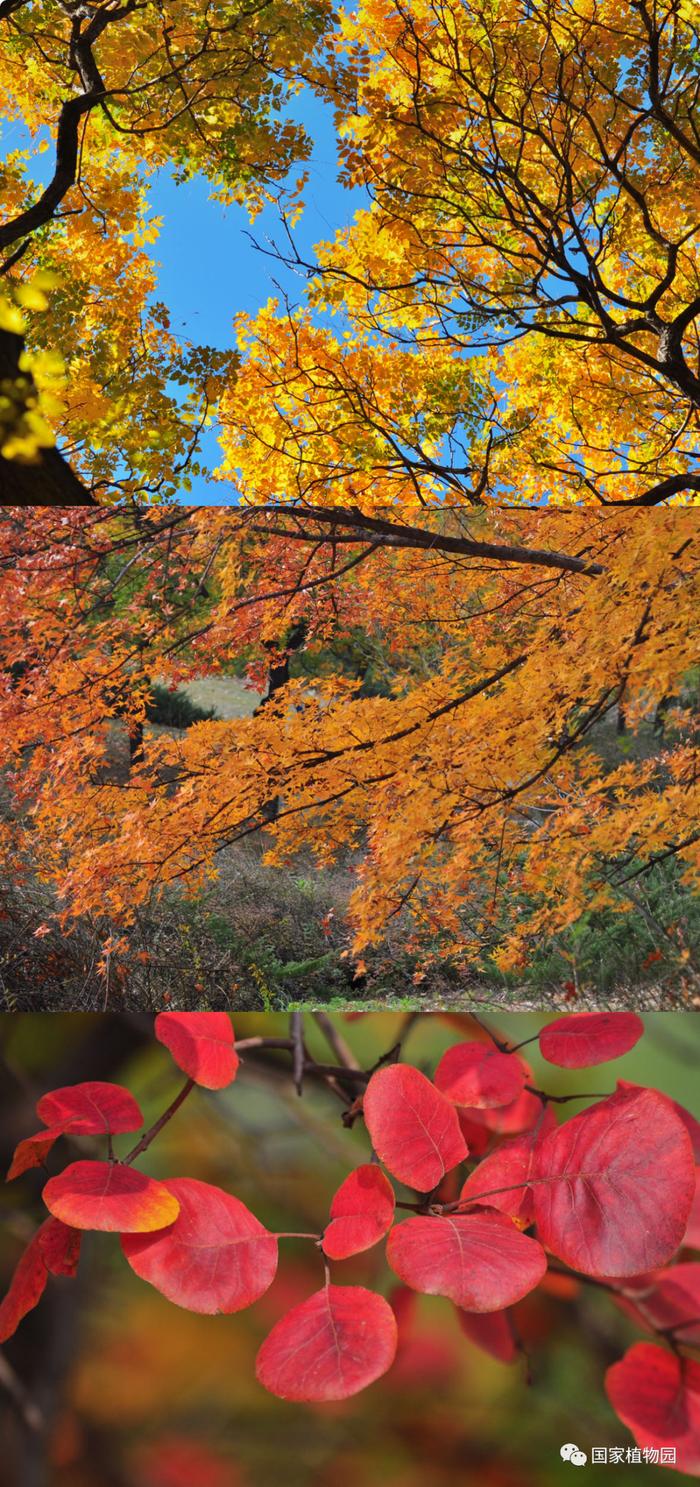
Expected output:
(261, 938)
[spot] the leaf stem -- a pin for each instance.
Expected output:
(316, 1237)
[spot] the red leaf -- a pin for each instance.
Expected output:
(492, 1331)
(33, 1151)
(414, 1129)
(674, 1300)
(403, 1302)
(692, 1233)
(477, 1076)
(91, 1109)
(102, 1195)
(26, 1288)
(215, 1257)
(510, 1165)
(331, 1346)
(691, 1124)
(657, 1396)
(53, 1248)
(177, 1461)
(60, 1247)
(478, 1137)
(362, 1212)
(510, 1120)
(584, 1038)
(201, 1043)
(480, 1260)
(614, 1185)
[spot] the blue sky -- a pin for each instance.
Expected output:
(209, 268)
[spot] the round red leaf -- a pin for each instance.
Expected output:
(480, 1260)
(674, 1301)
(215, 1257)
(614, 1185)
(477, 1076)
(109, 1196)
(91, 1109)
(657, 1396)
(509, 1120)
(691, 1124)
(498, 1180)
(329, 1347)
(414, 1129)
(584, 1038)
(201, 1043)
(362, 1212)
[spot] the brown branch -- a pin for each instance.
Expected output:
(391, 534)
(157, 1127)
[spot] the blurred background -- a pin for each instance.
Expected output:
(106, 1384)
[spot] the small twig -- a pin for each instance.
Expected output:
(408, 1023)
(563, 1099)
(296, 1028)
(151, 1134)
(514, 1047)
(337, 1071)
(498, 1042)
(242, 1044)
(30, 1412)
(341, 1049)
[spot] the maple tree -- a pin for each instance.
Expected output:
(501, 1200)
(116, 93)
(520, 298)
(471, 784)
(512, 313)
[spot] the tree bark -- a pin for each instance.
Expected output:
(48, 482)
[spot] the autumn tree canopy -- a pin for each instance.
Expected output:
(115, 93)
(513, 313)
(513, 644)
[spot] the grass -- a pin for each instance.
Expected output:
(274, 938)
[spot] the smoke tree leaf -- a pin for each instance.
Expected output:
(414, 1129)
(109, 1196)
(215, 1257)
(613, 1187)
(361, 1213)
(330, 1347)
(201, 1043)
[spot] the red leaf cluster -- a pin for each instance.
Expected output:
(609, 1193)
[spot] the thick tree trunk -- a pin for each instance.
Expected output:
(49, 482)
(277, 678)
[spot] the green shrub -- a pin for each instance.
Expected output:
(174, 709)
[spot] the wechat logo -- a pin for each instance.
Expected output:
(573, 1454)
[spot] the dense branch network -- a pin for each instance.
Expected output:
(505, 644)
